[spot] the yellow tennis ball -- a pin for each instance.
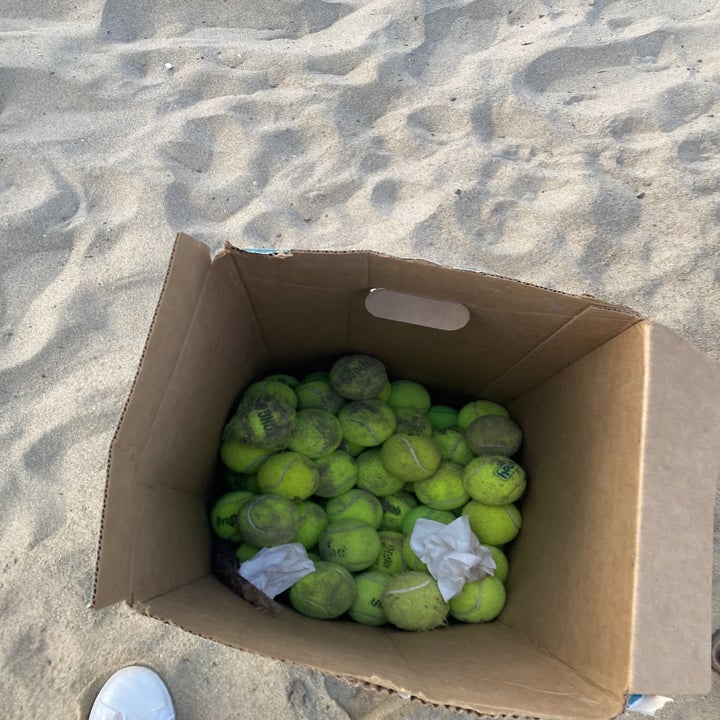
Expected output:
(367, 422)
(384, 394)
(494, 435)
(224, 513)
(390, 558)
(395, 508)
(494, 480)
(358, 377)
(372, 475)
(318, 395)
(444, 489)
(316, 433)
(479, 408)
(324, 594)
(271, 388)
(313, 520)
(410, 457)
(288, 474)
(411, 421)
(409, 394)
(245, 551)
(411, 560)
(338, 474)
(493, 524)
(355, 504)
(412, 601)
(262, 421)
(367, 606)
(502, 567)
(288, 380)
(351, 543)
(268, 520)
(442, 416)
(479, 600)
(241, 457)
(453, 446)
(424, 511)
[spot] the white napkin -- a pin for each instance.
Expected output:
(452, 553)
(275, 569)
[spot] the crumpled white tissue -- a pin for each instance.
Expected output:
(275, 569)
(452, 553)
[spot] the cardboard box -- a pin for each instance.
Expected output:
(610, 587)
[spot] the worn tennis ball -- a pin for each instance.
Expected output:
(494, 435)
(493, 524)
(270, 389)
(245, 551)
(316, 433)
(373, 477)
(494, 480)
(324, 594)
(289, 380)
(289, 474)
(395, 508)
(367, 606)
(224, 513)
(241, 481)
(444, 489)
(453, 445)
(479, 408)
(442, 416)
(239, 456)
(390, 558)
(358, 377)
(412, 422)
(268, 520)
(502, 567)
(367, 422)
(355, 504)
(384, 394)
(409, 394)
(479, 600)
(318, 395)
(351, 543)
(410, 457)
(313, 520)
(351, 448)
(263, 422)
(412, 601)
(411, 560)
(338, 474)
(423, 511)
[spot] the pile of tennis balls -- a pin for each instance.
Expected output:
(345, 462)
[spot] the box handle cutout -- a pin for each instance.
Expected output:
(416, 310)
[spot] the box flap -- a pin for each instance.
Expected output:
(672, 614)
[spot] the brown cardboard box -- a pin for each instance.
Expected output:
(610, 586)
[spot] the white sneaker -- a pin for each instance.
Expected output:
(133, 693)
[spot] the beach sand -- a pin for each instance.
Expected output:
(572, 145)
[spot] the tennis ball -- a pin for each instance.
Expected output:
(224, 513)
(351, 543)
(444, 489)
(289, 474)
(411, 560)
(494, 480)
(323, 375)
(395, 508)
(355, 504)
(268, 520)
(316, 433)
(338, 474)
(351, 448)
(493, 524)
(313, 520)
(442, 416)
(453, 445)
(390, 559)
(412, 601)
(358, 377)
(367, 606)
(324, 594)
(373, 477)
(479, 408)
(240, 481)
(367, 422)
(410, 457)
(412, 422)
(245, 551)
(384, 394)
(241, 457)
(318, 395)
(263, 422)
(423, 511)
(409, 394)
(270, 389)
(494, 435)
(289, 380)
(502, 567)
(479, 600)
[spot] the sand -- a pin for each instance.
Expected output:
(573, 145)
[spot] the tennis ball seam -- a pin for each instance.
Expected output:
(512, 518)
(414, 455)
(402, 591)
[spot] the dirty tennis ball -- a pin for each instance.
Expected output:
(494, 435)
(318, 395)
(355, 504)
(442, 416)
(313, 520)
(410, 457)
(289, 380)
(384, 394)
(367, 606)
(358, 377)
(351, 448)
(324, 594)
(479, 408)
(502, 567)
(316, 433)
(273, 389)
(224, 513)
(263, 422)
(453, 445)
(390, 558)
(479, 600)
(395, 508)
(351, 543)
(268, 520)
(423, 511)
(338, 474)
(411, 560)
(372, 475)
(237, 454)
(444, 489)
(245, 551)
(412, 601)
(493, 524)
(289, 474)
(494, 480)
(367, 422)
(409, 394)
(412, 422)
